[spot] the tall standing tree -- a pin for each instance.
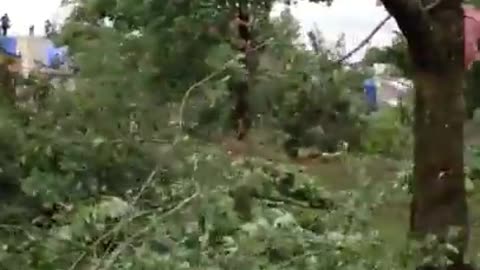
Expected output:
(434, 33)
(250, 17)
(243, 43)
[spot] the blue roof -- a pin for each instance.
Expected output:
(8, 46)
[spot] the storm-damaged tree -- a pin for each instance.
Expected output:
(248, 17)
(434, 33)
(242, 41)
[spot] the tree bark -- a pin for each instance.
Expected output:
(7, 84)
(439, 197)
(435, 41)
(243, 42)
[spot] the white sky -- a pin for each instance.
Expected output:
(24, 13)
(355, 18)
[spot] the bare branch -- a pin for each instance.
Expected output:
(323, 204)
(207, 79)
(375, 30)
(110, 260)
(365, 41)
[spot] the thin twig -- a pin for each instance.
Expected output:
(328, 204)
(140, 140)
(126, 219)
(78, 260)
(199, 83)
(375, 30)
(365, 41)
(144, 187)
(123, 246)
(208, 78)
(120, 224)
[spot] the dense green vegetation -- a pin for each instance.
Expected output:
(138, 168)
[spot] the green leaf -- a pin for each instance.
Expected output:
(98, 141)
(469, 186)
(113, 207)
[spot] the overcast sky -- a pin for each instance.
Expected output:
(24, 13)
(355, 18)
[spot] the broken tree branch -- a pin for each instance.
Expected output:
(365, 41)
(375, 30)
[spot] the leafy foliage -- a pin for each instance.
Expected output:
(196, 223)
(106, 177)
(396, 54)
(387, 134)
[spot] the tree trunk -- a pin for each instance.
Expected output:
(434, 32)
(243, 41)
(439, 197)
(7, 84)
(439, 204)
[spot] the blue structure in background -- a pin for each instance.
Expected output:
(370, 90)
(56, 56)
(8, 45)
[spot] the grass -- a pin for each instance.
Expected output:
(391, 219)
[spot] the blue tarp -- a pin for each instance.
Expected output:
(56, 56)
(8, 45)
(370, 90)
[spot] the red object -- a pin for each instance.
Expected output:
(471, 35)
